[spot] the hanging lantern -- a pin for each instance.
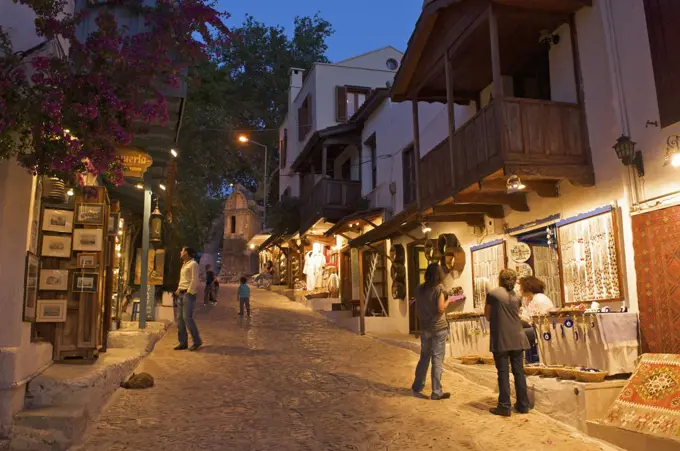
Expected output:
(54, 190)
(156, 225)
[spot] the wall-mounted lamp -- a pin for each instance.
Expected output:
(70, 192)
(514, 184)
(156, 225)
(425, 228)
(139, 186)
(547, 39)
(161, 186)
(673, 151)
(252, 246)
(625, 150)
(173, 152)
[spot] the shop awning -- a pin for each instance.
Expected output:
(349, 222)
(400, 224)
(257, 240)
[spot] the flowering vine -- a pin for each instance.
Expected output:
(62, 115)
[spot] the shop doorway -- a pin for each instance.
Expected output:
(417, 265)
(543, 261)
(656, 241)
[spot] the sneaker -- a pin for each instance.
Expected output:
(499, 411)
(418, 394)
(196, 347)
(445, 395)
(180, 348)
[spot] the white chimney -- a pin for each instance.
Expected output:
(295, 84)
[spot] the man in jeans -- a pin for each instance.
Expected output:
(431, 302)
(508, 343)
(186, 291)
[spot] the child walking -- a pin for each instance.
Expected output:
(244, 296)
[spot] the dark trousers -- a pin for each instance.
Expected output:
(242, 302)
(515, 360)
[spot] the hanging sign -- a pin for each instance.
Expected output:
(520, 252)
(135, 162)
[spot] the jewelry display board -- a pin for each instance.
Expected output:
(487, 263)
(547, 269)
(589, 259)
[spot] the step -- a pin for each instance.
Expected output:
(631, 440)
(69, 420)
(29, 439)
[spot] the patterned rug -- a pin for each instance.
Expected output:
(650, 402)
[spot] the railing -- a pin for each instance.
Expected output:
(329, 198)
(506, 133)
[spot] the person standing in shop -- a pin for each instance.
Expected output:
(431, 302)
(186, 291)
(507, 343)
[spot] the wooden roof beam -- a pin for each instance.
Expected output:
(493, 211)
(516, 201)
(474, 220)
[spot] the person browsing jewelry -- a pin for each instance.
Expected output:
(535, 303)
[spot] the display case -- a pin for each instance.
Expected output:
(488, 260)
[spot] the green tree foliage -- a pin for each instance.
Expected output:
(243, 87)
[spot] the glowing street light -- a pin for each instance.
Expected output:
(161, 186)
(243, 139)
(173, 152)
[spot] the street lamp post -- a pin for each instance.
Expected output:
(245, 139)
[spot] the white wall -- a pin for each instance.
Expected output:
(376, 60)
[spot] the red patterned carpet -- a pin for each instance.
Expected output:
(650, 402)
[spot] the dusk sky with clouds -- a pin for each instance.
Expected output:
(360, 25)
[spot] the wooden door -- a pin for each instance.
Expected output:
(417, 265)
(346, 282)
(656, 239)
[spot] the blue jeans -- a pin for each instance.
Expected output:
(515, 360)
(242, 302)
(432, 348)
(185, 319)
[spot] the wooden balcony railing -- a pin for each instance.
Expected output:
(330, 199)
(510, 134)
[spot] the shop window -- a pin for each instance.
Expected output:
(664, 35)
(409, 169)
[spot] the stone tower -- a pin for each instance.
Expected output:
(242, 220)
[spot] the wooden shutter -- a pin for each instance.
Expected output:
(407, 167)
(301, 122)
(284, 148)
(663, 17)
(341, 103)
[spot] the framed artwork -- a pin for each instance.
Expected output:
(90, 214)
(56, 246)
(113, 223)
(53, 280)
(85, 282)
(57, 220)
(87, 260)
(51, 311)
(30, 286)
(88, 240)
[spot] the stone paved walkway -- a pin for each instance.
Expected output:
(289, 380)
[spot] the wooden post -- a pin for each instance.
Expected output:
(416, 148)
(450, 102)
(362, 300)
(495, 55)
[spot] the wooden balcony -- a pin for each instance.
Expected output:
(535, 139)
(330, 200)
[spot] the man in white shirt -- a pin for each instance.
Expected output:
(186, 291)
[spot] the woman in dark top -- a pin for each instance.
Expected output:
(209, 294)
(508, 343)
(431, 303)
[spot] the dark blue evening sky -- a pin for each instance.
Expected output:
(360, 25)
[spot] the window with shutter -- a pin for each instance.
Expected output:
(373, 155)
(341, 103)
(304, 118)
(409, 170)
(663, 17)
(283, 148)
(348, 100)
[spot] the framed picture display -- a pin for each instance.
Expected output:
(87, 260)
(53, 280)
(488, 260)
(589, 257)
(56, 246)
(90, 214)
(90, 240)
(51, 311)
(85, 282)
(30, 286)
(113, 223)
(60, 221)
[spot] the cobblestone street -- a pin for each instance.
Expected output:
(289, 380)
